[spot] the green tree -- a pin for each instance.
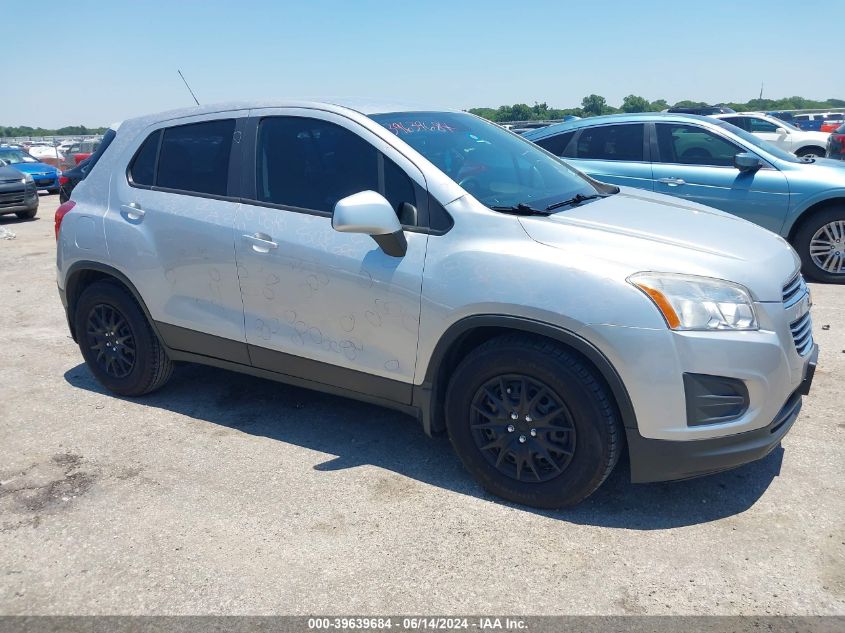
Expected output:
(658, 106)
(594, 105)
(633, 103)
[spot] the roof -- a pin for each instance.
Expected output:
(638, 117)
(362, 106)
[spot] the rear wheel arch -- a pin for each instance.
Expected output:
(471, 332)
(84, 273)
(815, 150)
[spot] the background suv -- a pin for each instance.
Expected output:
(436, 263)
(710, 161)
(777, 132)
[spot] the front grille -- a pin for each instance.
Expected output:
(11, 199)
(794, 290)
(48, 181)
(802, 334)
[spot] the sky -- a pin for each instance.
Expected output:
(101, 61)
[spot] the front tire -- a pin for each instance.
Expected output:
(27, 215)
(811, 152)
(117, 342)
(532, 421)
(820, 242)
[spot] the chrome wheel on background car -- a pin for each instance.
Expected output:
(820, 242)
(827, 247)
(522, 428)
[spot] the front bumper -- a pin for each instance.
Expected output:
(666, 460)
(15, 201)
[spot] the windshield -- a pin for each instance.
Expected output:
(15, 156)
(497, 167)
(756, 141)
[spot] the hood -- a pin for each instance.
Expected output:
(35, 168)
(9, 173)
(819, 137)
(643, 231)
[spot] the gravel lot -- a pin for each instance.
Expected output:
(223, 493)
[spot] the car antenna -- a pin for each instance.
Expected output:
(187, 86)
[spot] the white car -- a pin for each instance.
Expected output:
(780, 133)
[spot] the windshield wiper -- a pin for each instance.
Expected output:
(577, 199)
(521, 209)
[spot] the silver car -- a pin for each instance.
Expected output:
(433, 262)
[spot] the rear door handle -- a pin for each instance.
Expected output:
(132, 211)
(261, 242)
(672, 182)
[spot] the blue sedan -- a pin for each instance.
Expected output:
(45, 176)
(712, 162)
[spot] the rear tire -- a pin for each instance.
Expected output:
(117, 342)
(532, 421)
(822, 256)
(27, 215)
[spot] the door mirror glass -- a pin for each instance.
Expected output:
(370, 213)
(746, 162)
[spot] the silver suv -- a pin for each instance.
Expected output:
(436, 263)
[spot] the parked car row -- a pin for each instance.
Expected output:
(44, 175)
(18, 193)
(710, 161)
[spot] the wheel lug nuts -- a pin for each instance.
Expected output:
(533, 432)
(522, 439)
(511, 428)
(528, 418)
(514, 416)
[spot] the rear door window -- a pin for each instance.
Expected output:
(739, 121)
(761, 125)
(690, 145)
(612, 142)
(559, 144)
(195, 157)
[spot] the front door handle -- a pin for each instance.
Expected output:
(261, 242)
(132, 211)
(672, 182)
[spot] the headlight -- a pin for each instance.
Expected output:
(27, 178)
(689, 302)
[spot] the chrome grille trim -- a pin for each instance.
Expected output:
(802, 334)
(794, 290)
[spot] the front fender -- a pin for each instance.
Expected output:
(806, 203)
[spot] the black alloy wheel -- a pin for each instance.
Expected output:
(110, 338)
(522, 428)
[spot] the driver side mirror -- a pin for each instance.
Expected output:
(781, 131)
(370, 213)
(747, 162)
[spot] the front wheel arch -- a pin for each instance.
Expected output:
(471, 332)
